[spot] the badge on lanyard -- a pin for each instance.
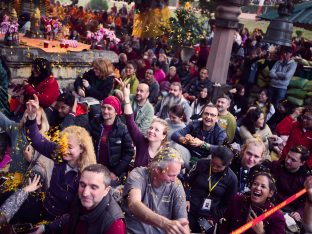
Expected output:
(206, 204)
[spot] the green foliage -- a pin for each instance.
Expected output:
(205, 6)
(99, 5)
(184, 29)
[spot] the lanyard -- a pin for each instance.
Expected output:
(209, 181)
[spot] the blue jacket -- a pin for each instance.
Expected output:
(281, 73)
(214, 137)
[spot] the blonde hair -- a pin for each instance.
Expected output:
(256, 141)
(105, 67)
(166, 129)
(85, 141)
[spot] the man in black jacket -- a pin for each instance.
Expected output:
(112, 141)
(95, 211)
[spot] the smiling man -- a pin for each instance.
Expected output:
(290, 175)
(96, 211)
(200, 137)
(155, 197)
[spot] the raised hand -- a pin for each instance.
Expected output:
(33, 184)
(32, 106)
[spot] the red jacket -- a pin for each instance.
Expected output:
(291, 127)
(47, 91)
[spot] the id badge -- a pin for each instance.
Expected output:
(207, 204)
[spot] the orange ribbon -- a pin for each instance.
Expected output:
(269, 212)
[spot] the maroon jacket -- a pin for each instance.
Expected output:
(237, 213)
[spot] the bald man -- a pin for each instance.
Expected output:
(142, 108)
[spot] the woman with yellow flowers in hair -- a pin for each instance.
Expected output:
(71, 154)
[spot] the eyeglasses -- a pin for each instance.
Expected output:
(206, 114)
(149, 73)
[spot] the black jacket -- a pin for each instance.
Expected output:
(120, 145)
(69, 120)
(98, 88)
(98, 220)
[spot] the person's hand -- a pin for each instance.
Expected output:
(74, 109)
(81, 93)
(33, 184)
(196, 142)
(297, 112)
(188, 206)
(258, 228)
(113, 176)
(176, 227)
(308, 186)
(275, 139)
(28, 153)
(85, 83)
(32, 106)
(183, 140)
(296, 216)
(125, 89)
(39, 230)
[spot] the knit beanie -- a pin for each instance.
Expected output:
(114, 102)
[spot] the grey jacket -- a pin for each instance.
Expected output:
(281, 73)
(144, 116)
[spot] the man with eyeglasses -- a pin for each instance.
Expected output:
(66, 112)
(298, 126)
(153, 86)
(201, 137)
(290, 174)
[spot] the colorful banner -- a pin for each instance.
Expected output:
(269, 212)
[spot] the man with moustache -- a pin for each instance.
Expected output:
(201, 137)
(174, 98)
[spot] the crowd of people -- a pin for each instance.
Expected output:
(144, 146)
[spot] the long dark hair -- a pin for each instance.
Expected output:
(178, 110)
(44, 67)
(251, 118)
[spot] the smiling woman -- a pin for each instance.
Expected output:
(246, 207)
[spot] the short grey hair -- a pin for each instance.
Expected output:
(165, 156)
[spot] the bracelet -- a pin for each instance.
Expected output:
(126, 103)
(206, 146)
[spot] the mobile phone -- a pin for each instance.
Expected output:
(204, 224)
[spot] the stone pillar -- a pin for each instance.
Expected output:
(227, 22)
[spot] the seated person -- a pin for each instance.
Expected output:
(97, 82)
(201, 137)
(113, 143)
(95, 211)
(212, 185)
(155, 198)
(290, 174)
(67, 112)
(246, 207)
(249, 160)
(298, 126)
